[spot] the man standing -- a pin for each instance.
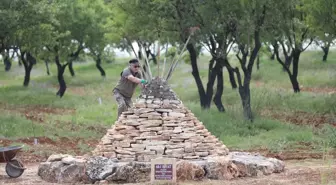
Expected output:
(124, 90)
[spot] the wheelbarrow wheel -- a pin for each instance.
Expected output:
(14, 168)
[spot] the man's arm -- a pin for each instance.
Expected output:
(134, 79)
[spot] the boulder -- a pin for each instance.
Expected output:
(132, 172)
(186, 170)
(58, 172)
(98, 168)
(249, 164)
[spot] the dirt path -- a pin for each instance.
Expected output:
(307, 172)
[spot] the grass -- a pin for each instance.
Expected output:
(270, 90)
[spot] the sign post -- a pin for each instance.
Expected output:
(163, 170)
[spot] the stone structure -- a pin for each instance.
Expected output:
(159, 125)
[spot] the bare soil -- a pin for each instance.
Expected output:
(301, 117)
(307, 172)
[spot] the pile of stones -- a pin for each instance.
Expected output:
(158, 126)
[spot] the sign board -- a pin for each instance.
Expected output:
(163, 170)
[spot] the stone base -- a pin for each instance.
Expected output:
(106, 170)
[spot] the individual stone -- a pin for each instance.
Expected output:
(166, 102)
(133, 172)
(149, 114)
(98, 168)
(71, 160)
(188, 157)
(163, 110)
(138, 146)
(58, 172)
(153, 123)
(140, 105)
(189, 171)
(158, 149)
(174, 102)
(124, 143)
(174, 146)
(252, 165)
(124, 151)
(146, 152)
(157, 102)
(153, 106)
(110, 154)
(132, 117)
(148, 129)
(202, 154)
(106, 141)
(147, 158)
(131, 122)
(176, 114)
(57, 157)
(155, 143)
(118, 137)
(174, 151)
(129, 112)
(221, 169)
(148, 101)
(148, 133)
(183, 135)
(143, 110)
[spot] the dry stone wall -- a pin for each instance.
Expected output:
(159, 125)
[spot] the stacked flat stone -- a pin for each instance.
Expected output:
(159, 127)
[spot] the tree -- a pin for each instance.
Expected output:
(293, 32)
(29, 18)
(247, 24)
(321, 17)
(97, 39)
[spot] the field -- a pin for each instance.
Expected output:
(287, 125)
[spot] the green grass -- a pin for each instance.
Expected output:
(270, 90)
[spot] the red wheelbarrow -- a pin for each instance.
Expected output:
(14, 168)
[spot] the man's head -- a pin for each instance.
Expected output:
(134, 65)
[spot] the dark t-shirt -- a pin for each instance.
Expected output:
(125, 86)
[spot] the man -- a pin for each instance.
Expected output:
(124, 90)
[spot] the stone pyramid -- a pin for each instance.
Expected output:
(159, 125)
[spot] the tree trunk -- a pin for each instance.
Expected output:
(71, 70)
(195, 73)
(8, 63)
(212, 73)
(245, 95)
(231, 73)
(27, 74)
(326, 52)
(296, 58)
(28, 63)
(99, 67)
(258, 63)
(272, 56)
(219, 92)
(47, 66)
(61, 81)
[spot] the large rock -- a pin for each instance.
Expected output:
(254, 164)
(58, 172)
(220, 168)
(187, 170)
(133, 172)
(98, 168)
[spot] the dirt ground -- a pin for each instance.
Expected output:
(299, 172)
